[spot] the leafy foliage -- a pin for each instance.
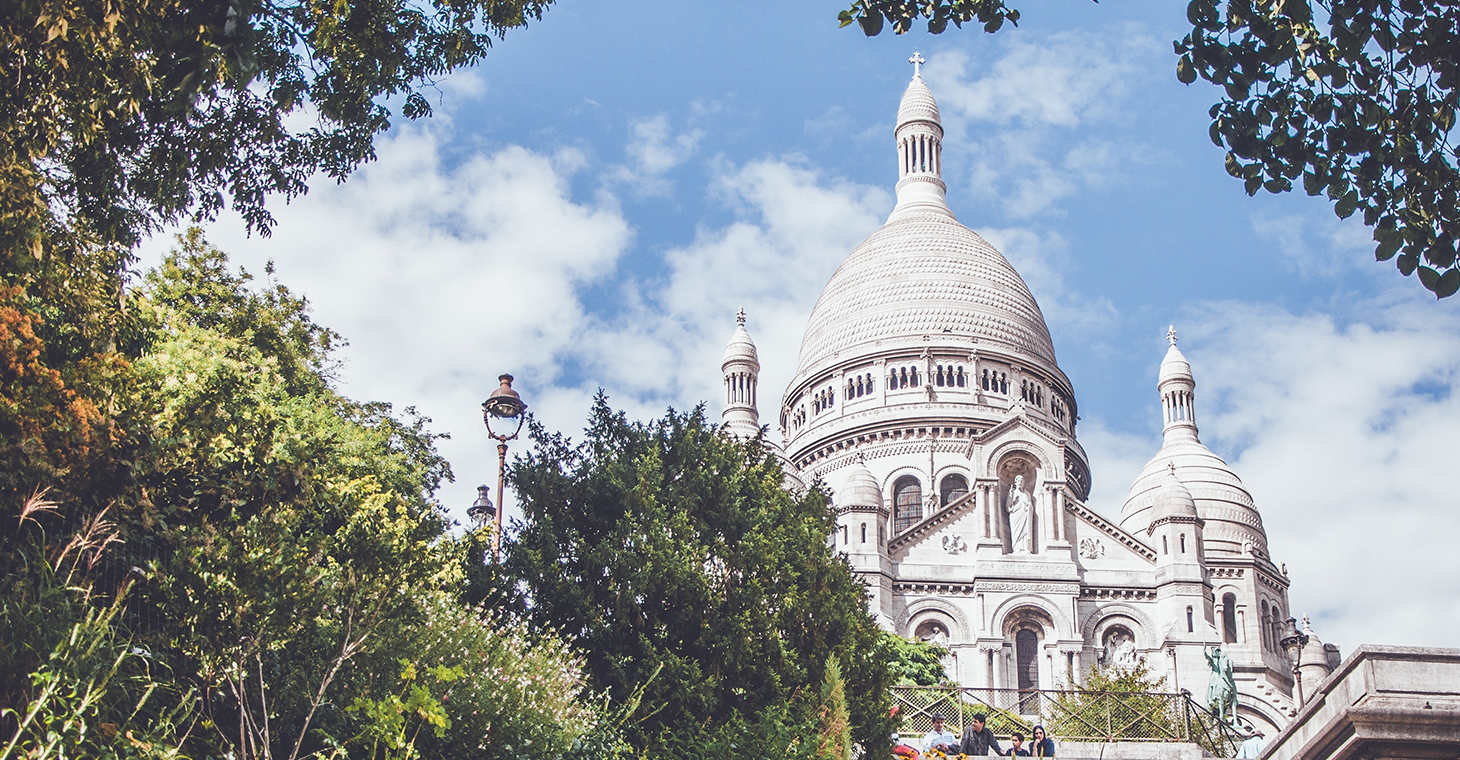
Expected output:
(911, 663)
(1355, 98)
(272, 557)
(125, 115)
(1119, 702)
(670, 548)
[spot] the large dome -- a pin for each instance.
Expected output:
(924, 274)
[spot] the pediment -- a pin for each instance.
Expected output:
(1103, 528)
(932, 523)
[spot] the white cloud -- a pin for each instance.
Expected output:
(794, 227)
(442, 276)
(1318, 246)
(1025, 123)
(653, 150)
(1346, 436)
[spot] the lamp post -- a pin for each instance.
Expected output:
(1293, 641)
(505, 406)
(481, 513)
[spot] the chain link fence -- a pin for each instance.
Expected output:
(1075, 715)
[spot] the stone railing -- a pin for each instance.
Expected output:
(1075, 716)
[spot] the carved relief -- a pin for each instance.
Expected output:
(1091, 548)
(954, 544)
(1120, 648)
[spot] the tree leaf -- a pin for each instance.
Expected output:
(1185, 72)
(871, 22)
(1429, 277)
(1347, 204)
(1449, 283)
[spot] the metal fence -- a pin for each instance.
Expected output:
(1074, 715)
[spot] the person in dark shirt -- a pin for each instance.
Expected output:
(1017, 748)
(1040, 745)
(978, 739)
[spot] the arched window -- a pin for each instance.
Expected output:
(1229, 618)
(1165, 549)
(907, 503)
(952, 488)
(1026, 658)
(844, 536)
(915, 380)
(864, 533)
(962, 378)
(1190, 621)
(939, 379)
(1264, 623)
(1183, 543)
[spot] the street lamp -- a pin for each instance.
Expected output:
(505, 406)
(481, 512)
(1293, 641)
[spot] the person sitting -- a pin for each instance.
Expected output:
(978, 739)
(1039, 744)
(1017, 748)
(903, 751)
(940, 739)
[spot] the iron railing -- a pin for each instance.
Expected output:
(1073, 715)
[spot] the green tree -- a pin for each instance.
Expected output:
(911, 663)
(834, 740)
(1355, 99)
(292, 590)
(670, 548)
(120, 116)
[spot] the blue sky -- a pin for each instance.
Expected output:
(590, 206)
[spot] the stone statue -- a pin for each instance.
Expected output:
(1222, 689)
(1021, 509)
(1120, 650)
(938, 635)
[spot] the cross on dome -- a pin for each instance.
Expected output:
(1171, 334)
(917, 61)
(740, 317)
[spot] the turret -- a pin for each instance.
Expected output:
(741, 368)
(861, 532)
(919, 136)
(1176, 532)
(1177, 387)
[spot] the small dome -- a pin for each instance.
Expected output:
(1313, 653)
(918, 104)
(1175, 367)
(1231, 518)
(1173, 500)
(741, 347)
(859, 488)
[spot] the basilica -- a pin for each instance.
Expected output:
(928, 399)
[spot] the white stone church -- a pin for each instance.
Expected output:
(928, 398)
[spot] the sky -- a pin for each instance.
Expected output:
(590, 206)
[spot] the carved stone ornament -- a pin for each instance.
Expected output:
(1091, 548)
(954, 544)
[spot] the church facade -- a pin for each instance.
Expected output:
(929, 399)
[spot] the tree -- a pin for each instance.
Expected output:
(125, 115)
(671, 555)
(260, 563)
(1356, 99)
(911, 663)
